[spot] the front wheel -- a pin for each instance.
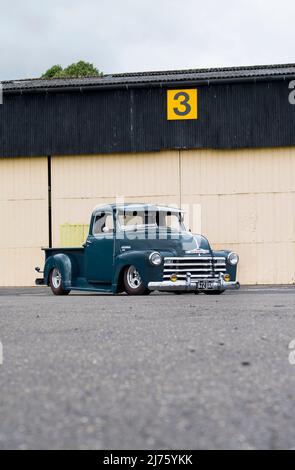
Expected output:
(55, 282)
(133, 283)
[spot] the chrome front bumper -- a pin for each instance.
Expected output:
(188, 285)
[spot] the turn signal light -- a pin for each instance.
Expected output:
(227, 277)
(173, 277)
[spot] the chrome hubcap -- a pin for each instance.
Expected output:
(56, 278)
(133, 278)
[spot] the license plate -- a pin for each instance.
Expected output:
(205, 285)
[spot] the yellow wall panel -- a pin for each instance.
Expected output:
(248, 204)
(23, 179)
(238, 171)
(17, 266)
(242, 200)
(24, 219)
(105, 176)
(81, 183)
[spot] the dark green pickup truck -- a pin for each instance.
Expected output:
(139, 248)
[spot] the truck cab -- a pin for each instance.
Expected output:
(137, 249)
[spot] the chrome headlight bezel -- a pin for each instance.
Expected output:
(155, 258)
(233, 258)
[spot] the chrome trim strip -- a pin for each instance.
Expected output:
(201, 276)
(179, 270)
(194, 264)
(169, 286)
(195, 258)
(188, 285)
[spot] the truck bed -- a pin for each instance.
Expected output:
(53, 251)
(76, 254)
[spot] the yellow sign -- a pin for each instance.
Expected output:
(182, 104)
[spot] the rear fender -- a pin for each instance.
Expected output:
(63, 263)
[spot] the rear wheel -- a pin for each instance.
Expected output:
(213, 292)
(133, 283)
(55, 282)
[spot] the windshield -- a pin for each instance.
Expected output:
(139, 220)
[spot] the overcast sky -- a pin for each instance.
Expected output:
(139, 35)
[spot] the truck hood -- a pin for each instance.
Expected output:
(179, 244)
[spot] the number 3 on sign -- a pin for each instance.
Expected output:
(182, 104)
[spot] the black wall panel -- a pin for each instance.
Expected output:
(135, 120)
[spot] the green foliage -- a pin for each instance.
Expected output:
(80, 69)
(53, 72)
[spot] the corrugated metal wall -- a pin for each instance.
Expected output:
(247, 200)
(81, 183)
(239, 115)
(24, 219)
(248, 204)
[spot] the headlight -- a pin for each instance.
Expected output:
(233, 259)
(155, 258)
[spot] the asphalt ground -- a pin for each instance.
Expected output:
(159, 372)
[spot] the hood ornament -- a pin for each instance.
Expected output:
(197, 251)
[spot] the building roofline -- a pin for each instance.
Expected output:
(170, 78)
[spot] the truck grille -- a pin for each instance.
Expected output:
(199, 267)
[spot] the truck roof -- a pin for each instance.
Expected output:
(133, 206)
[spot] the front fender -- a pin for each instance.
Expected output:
(231, 270)
(64, 265)
(140, 260)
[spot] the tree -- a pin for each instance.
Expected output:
(53, 72)
(77, 70)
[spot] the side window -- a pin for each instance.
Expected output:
(103, 223)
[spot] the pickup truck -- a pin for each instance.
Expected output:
(137, 249)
